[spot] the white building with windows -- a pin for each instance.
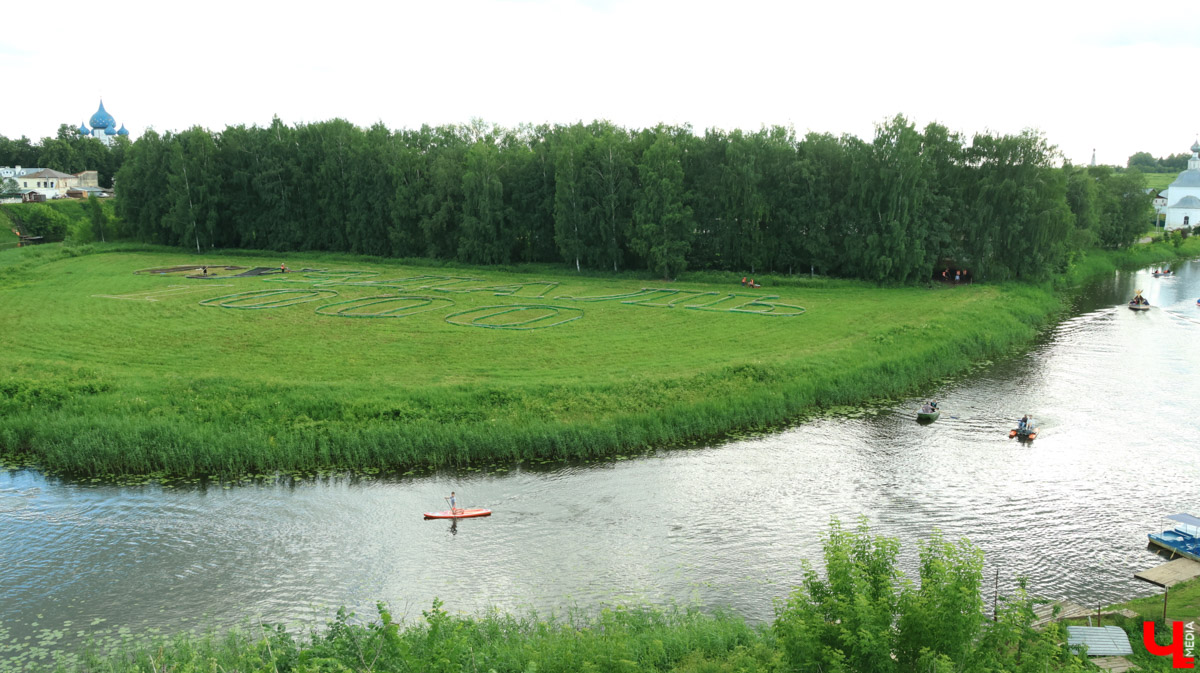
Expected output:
(1182, 207)
(46, 181)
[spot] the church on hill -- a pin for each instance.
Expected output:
(1183, 196)
(103, 126)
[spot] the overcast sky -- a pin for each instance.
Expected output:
(1117, 77)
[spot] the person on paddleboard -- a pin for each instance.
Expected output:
(453, 508)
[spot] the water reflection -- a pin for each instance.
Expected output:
(1113, 392)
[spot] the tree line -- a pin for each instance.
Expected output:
(1146, 163)
(67, 152)
(598, 196)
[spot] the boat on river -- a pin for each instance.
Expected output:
(1138, 303)
(1183, 538)
(1156, 274)
(1024, 432)
(928, 414)
(467, 513)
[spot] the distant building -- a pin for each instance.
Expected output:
(1182, 197)
(45, 181)
(103, 126)
(52, 184)
(87, 179)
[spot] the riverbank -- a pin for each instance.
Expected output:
(866, 616)
(1183, 605)
(1101, 262)
(122, 373)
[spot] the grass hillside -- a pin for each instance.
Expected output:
(367, 364)
(1160, 181)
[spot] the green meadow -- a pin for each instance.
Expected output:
(1160, 181)
(377, 364)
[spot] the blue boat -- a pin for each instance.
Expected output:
(1183, 539)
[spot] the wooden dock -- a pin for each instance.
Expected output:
(1045, 613)
(1171, 573)
(1113, 664)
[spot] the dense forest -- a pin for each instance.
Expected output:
(597, 196)
(67, 152)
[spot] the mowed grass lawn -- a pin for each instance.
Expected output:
(96, 384)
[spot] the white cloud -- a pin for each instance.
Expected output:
(1088, 75)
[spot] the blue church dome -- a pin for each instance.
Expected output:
(122, 132)
(102, 120)
(111, 130)
(83, 130)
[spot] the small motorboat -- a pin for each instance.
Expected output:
(1138, 303)
(459, 513)
(1156, 274)
(1028, 435)
(1024, 431)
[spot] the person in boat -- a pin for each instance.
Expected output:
(1022, 424)
(453, 508)
(927, 408)
(933, 404)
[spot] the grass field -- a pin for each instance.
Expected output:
(1160, 180)
(110, 371)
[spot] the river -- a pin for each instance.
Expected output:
(1114, 392)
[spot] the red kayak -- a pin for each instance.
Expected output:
(459, 513)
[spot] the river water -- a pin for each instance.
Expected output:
(1114, 392)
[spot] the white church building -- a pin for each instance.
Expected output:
(1183, 196)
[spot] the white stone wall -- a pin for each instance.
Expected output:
(1175, 218)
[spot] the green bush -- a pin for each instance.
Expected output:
(41, 220)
